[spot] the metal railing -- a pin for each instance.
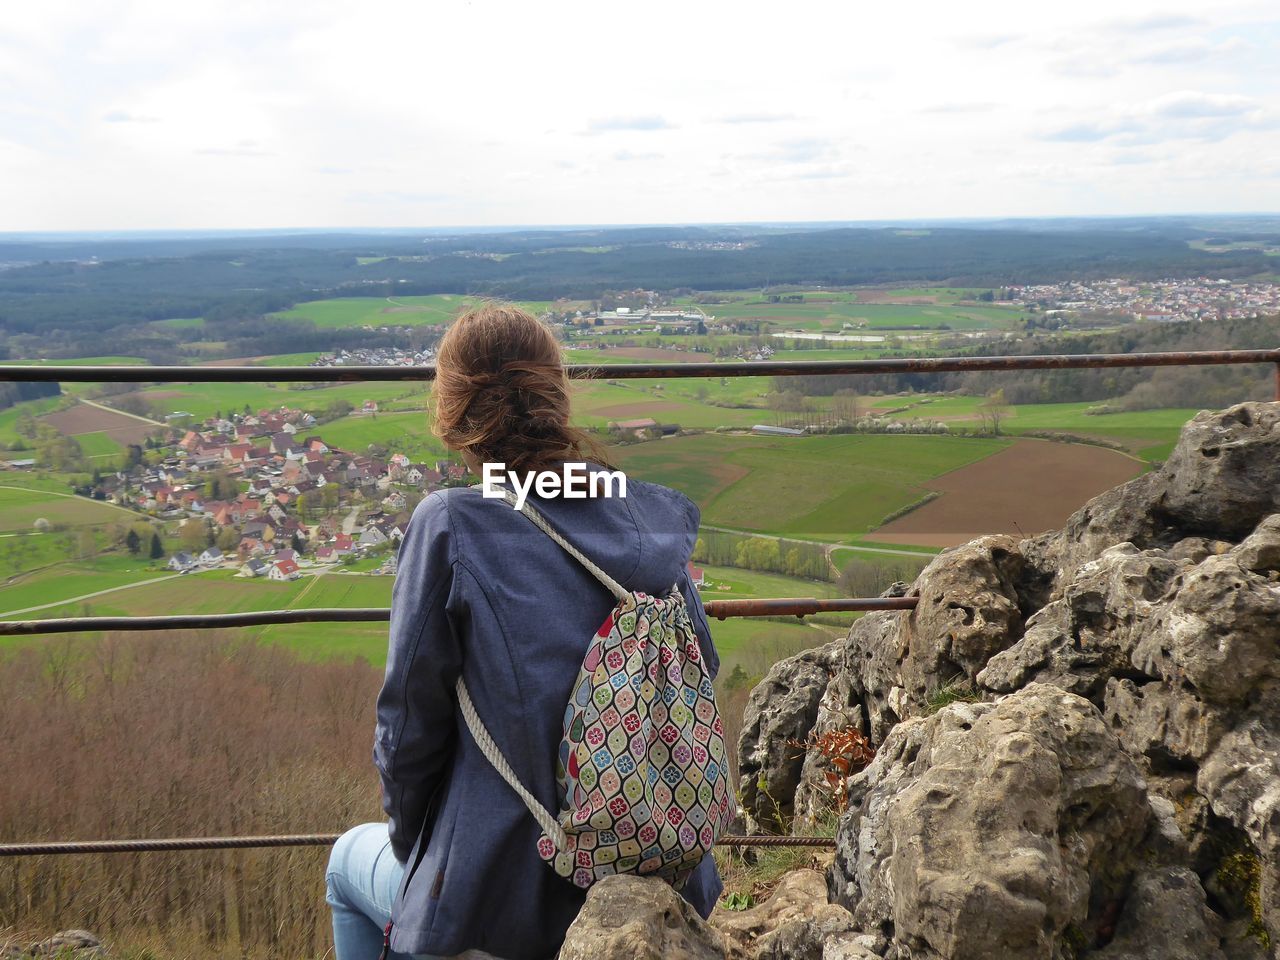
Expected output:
(719, 609)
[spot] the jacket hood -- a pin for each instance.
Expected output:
(642, 539)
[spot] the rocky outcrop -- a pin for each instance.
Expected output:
(793, 924)
(783, 708)
(1027, 810)
(639, 918)
(1115, 790)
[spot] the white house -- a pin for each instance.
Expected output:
(284, 570)
(182, 562)
(253, 568)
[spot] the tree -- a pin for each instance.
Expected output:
(993, 410)
(192, 535)
(329, 496)
(133, 542)
(157, 548)
(844, 405)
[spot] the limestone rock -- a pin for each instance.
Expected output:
(1087, 636)
(792, 924)
(1123, 514)
(1159, 605)
(783, 707)
(1221, 479)
(1220, 633)
(1223, 475)
(639, 918)
(989, 829)
(1260, 551)
(970, 608)
(1165, 918)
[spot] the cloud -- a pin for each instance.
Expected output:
(123, 116)
(627, 156)
(1188, 51)
(1152, 21)
(736, 118)
(821, 173)
(799, 150)
(615, 124)
(1086, 132)
(1189, 104)
(988, 41)
(1085, 65)
(1183, 115)
(972, 107)
(242, 148)
(400, 197)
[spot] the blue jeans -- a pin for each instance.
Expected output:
(360, 886)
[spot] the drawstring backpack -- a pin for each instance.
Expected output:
(641, 773)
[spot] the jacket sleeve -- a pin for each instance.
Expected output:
(415, 732)
(693, 602)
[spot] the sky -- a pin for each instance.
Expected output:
(236, 115)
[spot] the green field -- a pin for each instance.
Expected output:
(9, 418)
(99, 446)
(1148, 433)
(67, 580)
(406, 433)
(347, 312)
(829, 309)
(20, 508)
(205, 399)
(289, 360)
(829, 488)
(220, 592)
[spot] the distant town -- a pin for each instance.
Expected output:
(1159, 301)
(264, 495)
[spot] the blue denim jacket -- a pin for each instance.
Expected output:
(482, 592)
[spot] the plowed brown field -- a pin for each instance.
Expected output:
(1029, 487)
(86, 419)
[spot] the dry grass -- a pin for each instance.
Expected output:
(179, 735)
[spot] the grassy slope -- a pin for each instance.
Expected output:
(824, 488)
(346, 312)
(220, 591)
(19, 509)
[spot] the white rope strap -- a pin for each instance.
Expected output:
(550, 826)
(541, 523)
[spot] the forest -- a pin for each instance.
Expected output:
(64, 289)
(1127, 388)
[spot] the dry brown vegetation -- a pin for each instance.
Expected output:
(178, 735)
(194, 734)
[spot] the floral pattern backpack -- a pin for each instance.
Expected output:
(642, 772)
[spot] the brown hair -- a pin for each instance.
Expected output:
(501, 392)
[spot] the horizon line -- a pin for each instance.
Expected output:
(172, 232)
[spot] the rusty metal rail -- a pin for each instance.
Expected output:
(718, 609)
(302, 840)
(646, 371)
